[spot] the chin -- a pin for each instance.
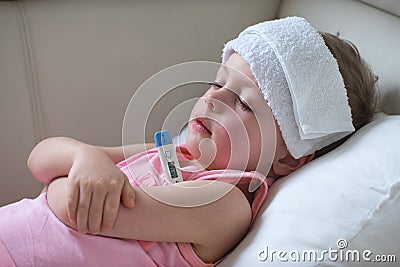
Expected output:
(192, 147)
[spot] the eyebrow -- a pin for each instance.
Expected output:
(224, 68)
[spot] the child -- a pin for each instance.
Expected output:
(278, 73)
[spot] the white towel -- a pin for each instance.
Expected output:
(300, 80)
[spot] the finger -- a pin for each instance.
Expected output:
(73, 198)
(111, 206)
(128, 194)
(96, 211)
(85, 197)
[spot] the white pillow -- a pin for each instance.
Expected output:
(352, 193)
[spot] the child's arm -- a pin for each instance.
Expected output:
(95, 184)
(214, 228)
(53, 157)
(116, 154)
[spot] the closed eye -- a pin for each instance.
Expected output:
(243, 105)
(215, 84)
(241, 102)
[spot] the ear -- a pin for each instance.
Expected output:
(286, 164)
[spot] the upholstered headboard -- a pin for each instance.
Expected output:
(372, 25)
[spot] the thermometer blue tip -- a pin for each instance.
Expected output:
(162, 138)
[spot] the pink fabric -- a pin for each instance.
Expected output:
(5, 258)
(31, 235)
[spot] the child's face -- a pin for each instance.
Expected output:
(226, 123)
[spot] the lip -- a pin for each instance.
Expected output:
(200, 124)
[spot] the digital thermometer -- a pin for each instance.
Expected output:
(168, 158)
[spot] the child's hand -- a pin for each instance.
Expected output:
(95, 188)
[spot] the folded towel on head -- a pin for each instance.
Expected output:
(300, 80)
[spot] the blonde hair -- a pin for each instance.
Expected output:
(360, 83)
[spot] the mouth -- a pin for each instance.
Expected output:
(201, 125)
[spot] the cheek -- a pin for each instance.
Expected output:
(234, 146)
(264, 149)
(255, 150)
(222, 143)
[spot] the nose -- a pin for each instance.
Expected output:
(217, 99)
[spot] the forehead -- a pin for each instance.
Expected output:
(236, 62)
(239, 69)
(241, 80)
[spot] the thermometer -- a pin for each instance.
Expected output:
(168, 158)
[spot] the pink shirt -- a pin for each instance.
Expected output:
(31, 235)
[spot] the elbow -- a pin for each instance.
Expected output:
(34, 161)
(31, 160)
(37, 161)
